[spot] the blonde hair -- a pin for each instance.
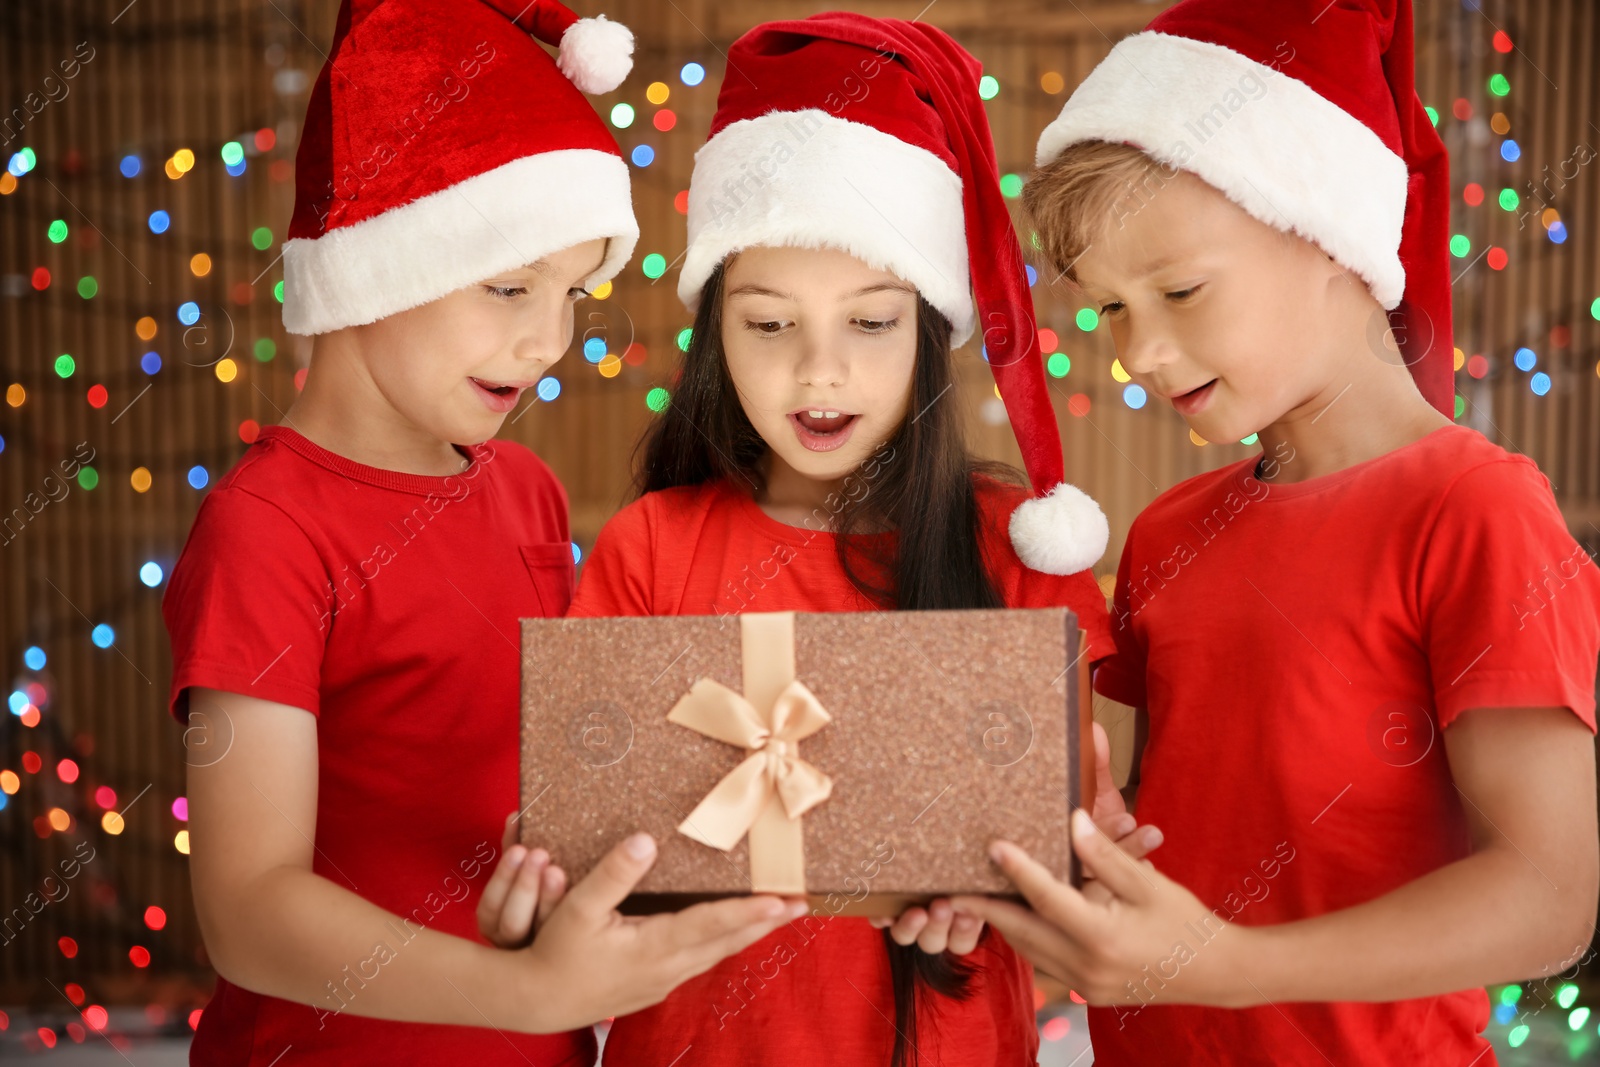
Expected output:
(1089, 187)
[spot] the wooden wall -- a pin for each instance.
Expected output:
(170, 74)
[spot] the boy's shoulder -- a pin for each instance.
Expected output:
(1453, 465)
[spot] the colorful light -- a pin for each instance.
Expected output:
(1472, 194)
(664, 120)
(1499, 85)
(1059, 365)
(1134, 396)
(57, 231)
(657, 93)
(21, 162)
(98, 396)
(1539, 383)
(150, 362)
(261, 238)
(988, 87)
(198, 477)
(1010, 186)
(1087, 319)
(33, 658)
(159, 221)
(232, 153)
(1509, 200)
(643, 155)
(226, 370)
(1119, 372)
(594, 349)
(150, 574)
(188, 313)
(692, 74)
(1509, 151)
(657, 399)
(654, 265)
(1460, 245)
(129, 166)
(549, 389)
(1525, 358)
(155, 918)
(264, 349)
(103, 636)
(686, 334)
(65, 365)
(622, 115)
(140, 479)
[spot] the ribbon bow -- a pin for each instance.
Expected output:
(773, 767)
(768, 792)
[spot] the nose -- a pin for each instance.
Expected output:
(820, 363)
(547, 332)
(1146, 349)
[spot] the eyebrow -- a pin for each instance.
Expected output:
(876, 287)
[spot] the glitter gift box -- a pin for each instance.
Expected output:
(863, 758)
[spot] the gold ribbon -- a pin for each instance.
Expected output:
(765, 795)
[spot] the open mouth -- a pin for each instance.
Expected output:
(1194, 400)
(822, 429)
(498, 396)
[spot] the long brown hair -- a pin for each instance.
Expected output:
(921, 487)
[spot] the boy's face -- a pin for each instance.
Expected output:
(1234, 323)
(456, 366)
(821, 348)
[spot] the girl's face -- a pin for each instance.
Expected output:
(454, 367)
(821, 350)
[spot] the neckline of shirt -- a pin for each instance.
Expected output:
(1293, 490)
(798, 536)
(401, 481)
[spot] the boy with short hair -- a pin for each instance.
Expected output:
(1367, 658)
(344, 614)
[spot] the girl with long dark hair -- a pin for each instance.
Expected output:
(811, 459)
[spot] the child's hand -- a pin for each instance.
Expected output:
(590, 962)
(934, 929)
(524, 889)
(1104, 949)
(1111, 815)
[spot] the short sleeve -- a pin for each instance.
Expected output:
(618, 577)
(1121, 677)
(248, 606)
(1081, 593)
(1509, 602)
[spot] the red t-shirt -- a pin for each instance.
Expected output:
(385, 604)
(708, 550)
(1300, 647)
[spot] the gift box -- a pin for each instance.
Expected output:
(865, 759)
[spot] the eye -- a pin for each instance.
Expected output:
(1180, 295)
(577, 293)
(766, 328)
(876, 325)
(505, 292)
(1111, 307)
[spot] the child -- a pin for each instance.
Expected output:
(1367, 657)
(344, 615)
(811, 461)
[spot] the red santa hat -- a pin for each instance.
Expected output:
(443, 146)
(868, 135)
(1305, 114)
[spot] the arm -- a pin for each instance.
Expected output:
(1523, 903)
(274, 927)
